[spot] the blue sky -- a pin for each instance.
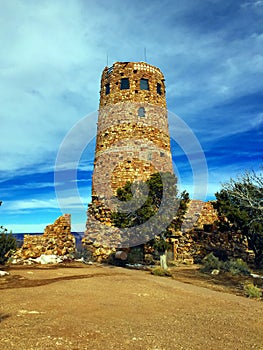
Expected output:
(52, 56)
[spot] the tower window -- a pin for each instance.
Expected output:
(125, 84)
(107, 89)
(159, 89)
(141, 112)
(144, 84)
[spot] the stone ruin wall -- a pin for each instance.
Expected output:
(197, 238)
(56, 240)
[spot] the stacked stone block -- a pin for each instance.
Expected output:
(56, 240)
(199, 236)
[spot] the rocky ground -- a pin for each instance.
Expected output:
(95, 307)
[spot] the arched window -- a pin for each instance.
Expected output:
(141, 112)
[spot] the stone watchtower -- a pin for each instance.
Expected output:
(132, 134)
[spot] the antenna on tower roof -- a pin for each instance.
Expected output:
(145, 59)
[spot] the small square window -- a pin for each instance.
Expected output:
(107, 89)
(144, 84)
(159, 89)
(125, 84)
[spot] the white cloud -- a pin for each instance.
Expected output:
(54, 55)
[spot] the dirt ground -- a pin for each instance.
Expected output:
(97, 307)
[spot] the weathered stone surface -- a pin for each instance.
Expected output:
(57, 240)
(130, 146)
(132, 143)
(197, 238)
(134, 71)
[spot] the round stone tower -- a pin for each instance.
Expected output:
(132, 135)
(132, 143)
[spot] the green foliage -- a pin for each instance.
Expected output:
(125, 194)
(162, 199)
(158, 271)
(150, 205)
(158, 185)
(83, 253)
(7, 245)
(161, 244)
(252, 291)
(184, 200)
(210, 263)
(135, 255)
(240, 201)
(235, 267)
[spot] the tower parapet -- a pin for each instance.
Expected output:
(132, 82)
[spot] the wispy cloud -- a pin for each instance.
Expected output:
(52, 57)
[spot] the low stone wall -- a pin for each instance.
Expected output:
(56, 240)
(198, 236)
(194, 245)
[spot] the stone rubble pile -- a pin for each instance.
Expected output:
(57, 240)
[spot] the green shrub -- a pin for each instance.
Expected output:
(158, 271)
(83, 253)
(7, 245)
(252, 291)
(210, 263)
(135, 255)
(237, 267)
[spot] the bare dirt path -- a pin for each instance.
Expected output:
(103, 307)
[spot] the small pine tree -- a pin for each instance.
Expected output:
(7, 245)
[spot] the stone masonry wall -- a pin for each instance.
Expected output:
(130, 145)
(138, 131)
(113, 169)
(197, 238)
(56, 240)
(134, 71)
(127, 112)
